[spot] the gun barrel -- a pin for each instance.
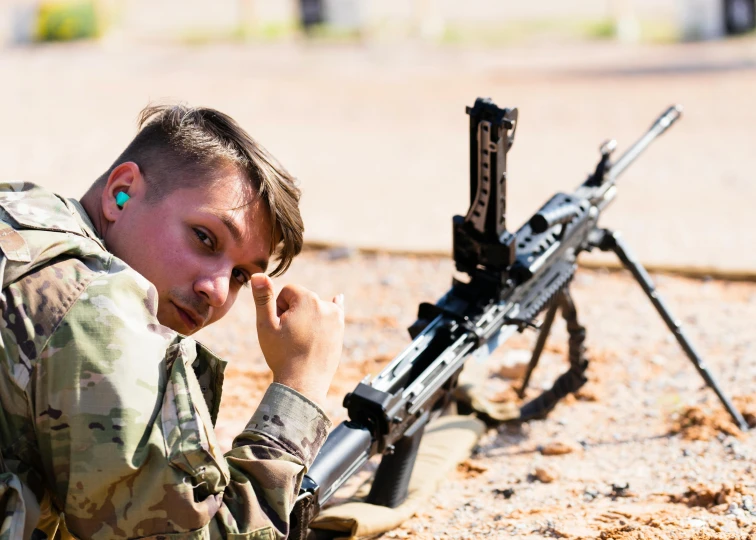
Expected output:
(669, 117)
(346, 449)
(661, 125)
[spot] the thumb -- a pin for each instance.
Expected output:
(262, 292)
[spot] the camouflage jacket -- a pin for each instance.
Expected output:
(106, 417)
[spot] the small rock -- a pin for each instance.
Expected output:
(734, 449)
(471, 469)
(505, 493)
(735, 510)
(557, 448)
(389, 280)
(695, 523)
(748, 504)
(545, 474)
(621, 489)
(337, 253)
(589, 494)
(719, 508)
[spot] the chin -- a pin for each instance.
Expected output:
(172, 324)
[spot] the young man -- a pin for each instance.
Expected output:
(106, 407)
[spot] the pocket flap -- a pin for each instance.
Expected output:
(189, 437)
(13, 245)
(35, 208)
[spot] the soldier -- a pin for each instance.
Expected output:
(106, 406)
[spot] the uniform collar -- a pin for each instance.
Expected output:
(77, 209)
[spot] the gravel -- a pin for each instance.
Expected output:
(654, 454)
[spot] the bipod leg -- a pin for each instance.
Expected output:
(613, 241)
(573, 378)
(576, 331)
(543, 335)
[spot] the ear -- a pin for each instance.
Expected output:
(125, 178)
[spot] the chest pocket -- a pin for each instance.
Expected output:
(187, 429)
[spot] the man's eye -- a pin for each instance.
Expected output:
(204, 238)
(241, 277)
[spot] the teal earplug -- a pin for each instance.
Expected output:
(121, 199)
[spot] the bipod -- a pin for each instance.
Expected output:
(607, 240)
(573, 378)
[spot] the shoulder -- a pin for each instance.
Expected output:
(66, 278)
(34, 305)
(115, 307)
(112, 323)
(29, 205)
(37, 226)
(78, 308)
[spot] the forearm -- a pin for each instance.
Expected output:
(270, 457)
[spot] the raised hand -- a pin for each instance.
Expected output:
(300, 335)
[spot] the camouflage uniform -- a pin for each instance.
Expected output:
(106, 416)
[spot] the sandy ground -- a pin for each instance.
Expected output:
(378, 136)
(644, 451)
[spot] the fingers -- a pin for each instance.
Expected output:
(291, 295)
(304, 345)
(295, 297)
(262, 291)
(281, 306)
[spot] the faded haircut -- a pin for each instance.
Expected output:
(179, 146)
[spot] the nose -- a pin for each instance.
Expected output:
(213, 287)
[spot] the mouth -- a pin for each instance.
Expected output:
(190, 319)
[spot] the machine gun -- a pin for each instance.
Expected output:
(512, 278)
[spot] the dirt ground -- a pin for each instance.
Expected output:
(644, 451)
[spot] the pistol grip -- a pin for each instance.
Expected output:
(391, 483)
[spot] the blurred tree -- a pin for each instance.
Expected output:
(64, 20)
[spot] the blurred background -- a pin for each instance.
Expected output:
(364, 101)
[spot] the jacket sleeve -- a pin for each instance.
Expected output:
(124, 430)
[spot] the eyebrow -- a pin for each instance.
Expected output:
(236, 233)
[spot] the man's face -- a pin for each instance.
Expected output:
(197, 246)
